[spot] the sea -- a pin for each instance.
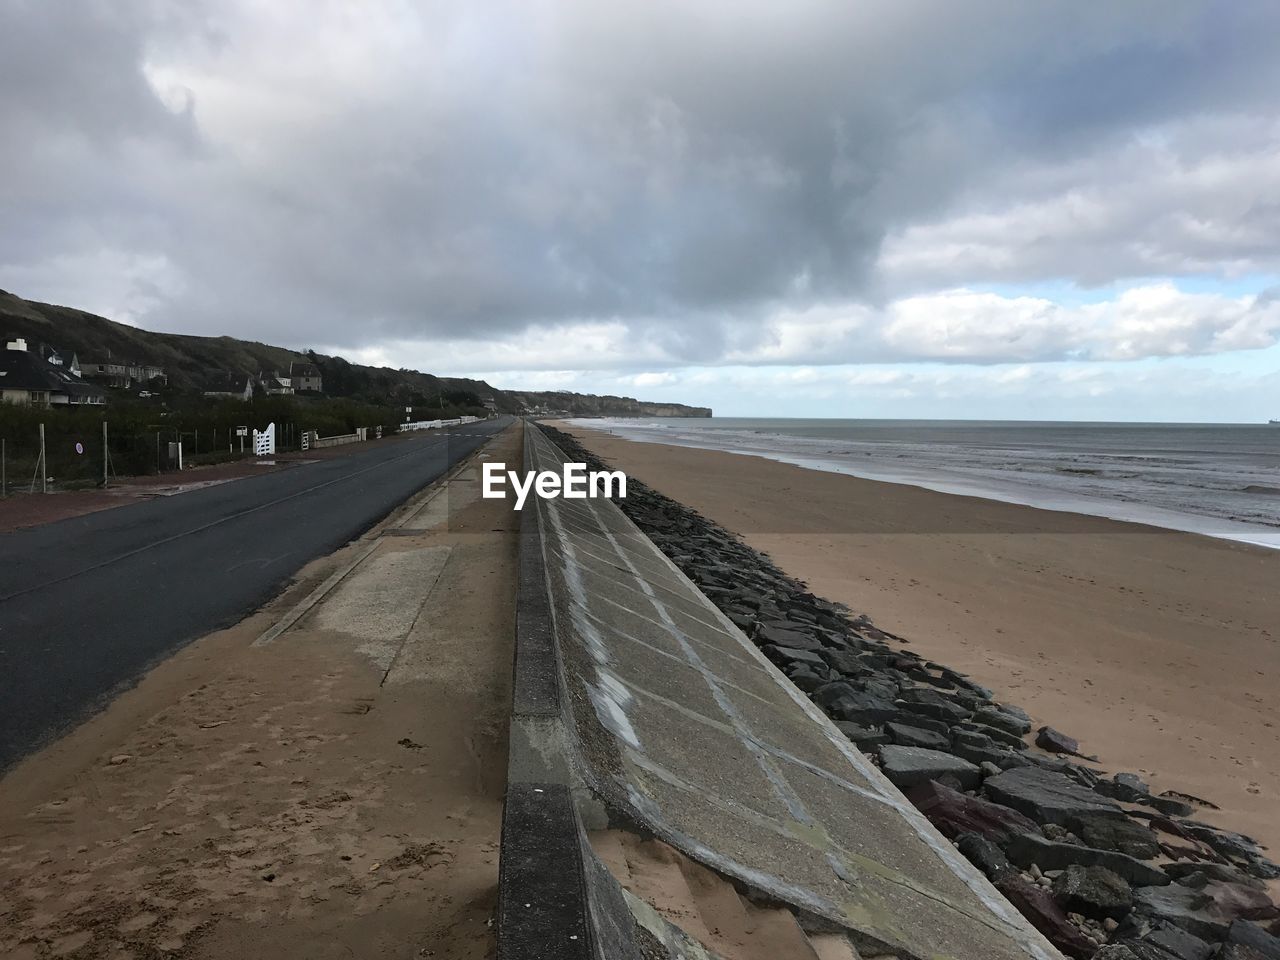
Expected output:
(1221, 480)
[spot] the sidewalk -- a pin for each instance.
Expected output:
(333, 790)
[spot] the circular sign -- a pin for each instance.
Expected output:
(79, 448)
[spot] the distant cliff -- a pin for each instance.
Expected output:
(562, 403)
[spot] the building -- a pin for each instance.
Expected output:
(274, 385)
(31, 377)
(305, 377)
(122, 375)
(229, 385)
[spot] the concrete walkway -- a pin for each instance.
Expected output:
(685, 731)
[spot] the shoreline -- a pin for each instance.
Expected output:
(1155, 648)
(1015, 494)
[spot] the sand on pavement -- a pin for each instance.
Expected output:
(336, 792)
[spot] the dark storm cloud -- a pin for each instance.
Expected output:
(350, 174)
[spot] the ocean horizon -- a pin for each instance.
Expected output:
(1219, 480)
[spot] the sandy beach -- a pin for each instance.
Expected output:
(1159, 651)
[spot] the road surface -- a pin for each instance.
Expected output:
(89, 603)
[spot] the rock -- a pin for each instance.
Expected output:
(1222, 872)
(842, 701)
(1128, 787)
(1094, 892)
(909, 766)
(984, 855)
(994, 716)
(1204, 913)
(806, 679)
(933, 705)
(783, 656)
(1176, 942)
(1263, 869)
(1123, 835)
(1246, 934)
(1048, 797)
(120, 758)
(955, 813)
(1234, 845)
(1027, 848)
(1115, 951)
(993, 733)
(782, 637)
(1166, 805)
(1189, 798)
(866, 738)
(1052, 740)
(1236, 951)
(1038, 906)
(988, 769)
(909, 736)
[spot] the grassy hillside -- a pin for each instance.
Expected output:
(195, 364)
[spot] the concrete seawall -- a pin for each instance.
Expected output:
(640, 703)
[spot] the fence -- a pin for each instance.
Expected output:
(319, 443)
(435, 424)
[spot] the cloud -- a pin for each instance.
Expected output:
(958, 326)
(646, 185)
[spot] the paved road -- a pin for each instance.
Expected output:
(89, 603)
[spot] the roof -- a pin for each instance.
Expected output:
(298, 369)
(24, 370)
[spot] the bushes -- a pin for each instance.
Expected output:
(139, 431)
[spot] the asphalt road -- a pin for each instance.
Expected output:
(88, 604)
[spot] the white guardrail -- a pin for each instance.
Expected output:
(435, 424)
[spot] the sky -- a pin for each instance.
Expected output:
(901, 208)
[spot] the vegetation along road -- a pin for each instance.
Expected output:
(88, 604)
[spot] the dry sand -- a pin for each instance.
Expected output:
(1159, 651)
(334, 793)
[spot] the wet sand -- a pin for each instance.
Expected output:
(1158, 650)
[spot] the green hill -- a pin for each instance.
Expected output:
(196, 364)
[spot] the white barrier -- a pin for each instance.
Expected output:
(318, 442)
(436, 424)
(264, 441)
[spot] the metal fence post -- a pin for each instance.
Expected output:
(44, 464)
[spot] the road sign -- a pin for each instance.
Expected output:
(242, 431)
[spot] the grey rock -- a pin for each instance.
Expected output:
(1001, 719)
(1093, 891)
(1055, 741)
(842, 701)
(909, 736)
(1169, 806)
(1115, 951)
(782, 637)
(994, 733)
(1248, 934)
(866, 738)
(788, 655)
(1182, 872)
(1178, 943)
(984, 855)
(1183, 907)
(1130, 785)
(1123, 835)
(989, 769)
(1026, 849)
(908, 766)
(1048, 797)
